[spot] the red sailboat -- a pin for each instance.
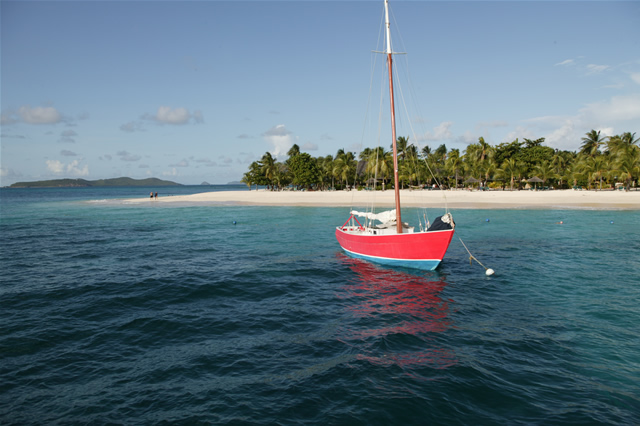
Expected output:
(393, 242)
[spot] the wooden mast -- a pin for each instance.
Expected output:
(393, 122)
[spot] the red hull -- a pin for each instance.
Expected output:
(422, 250)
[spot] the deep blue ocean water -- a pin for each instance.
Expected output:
(141, 314)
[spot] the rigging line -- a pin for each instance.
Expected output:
(412, 90)
(371, 206)
(378, 145)
(488, 271)
(367, 110)
(404, 104)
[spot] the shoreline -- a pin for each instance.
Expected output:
(455, 199)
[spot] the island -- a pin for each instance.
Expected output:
(121, 181)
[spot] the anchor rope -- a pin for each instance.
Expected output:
(471, 257)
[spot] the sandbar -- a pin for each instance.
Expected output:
(461, 199)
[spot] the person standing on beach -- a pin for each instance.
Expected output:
(151, 196)
(156, 195)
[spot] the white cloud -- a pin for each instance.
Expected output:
(565, 62)
(635, 77)
(441, 132)
(55, 166)
(75, 169)
(175, 116)
(172, 172)
(596, 69)
(39, 115)
(618, 108)
(167, 115)
(67, 153)
(564, 136)
(566, 132)
(280, 138)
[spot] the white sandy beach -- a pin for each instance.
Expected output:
(554, 199)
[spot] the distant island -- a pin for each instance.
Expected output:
(121, 181)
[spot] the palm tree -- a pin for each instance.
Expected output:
(572, 173)
(628, 139)
(596, 168)
(529, 143)
(489, 168)
(591, 143)
(544, 171)
(327, 169)
(401, 145)
(253, 175)
(628, 165)
(293, 151)
(454, 163)
(344, 166)
(380, 164)
(440, 153)
(364, 154)
(485, 148)
(426, 151)
(407, 173)
(473, 153)
(613, 145)
(269, 168)
(559, 162)
(511, 168)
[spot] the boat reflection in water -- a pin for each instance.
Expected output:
(398, 318)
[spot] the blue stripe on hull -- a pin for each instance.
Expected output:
(425, 264)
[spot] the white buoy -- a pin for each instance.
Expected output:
(489, 272)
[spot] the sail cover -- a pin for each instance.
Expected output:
(442, 223)
(384, 217)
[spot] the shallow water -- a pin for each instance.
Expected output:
(116, 313)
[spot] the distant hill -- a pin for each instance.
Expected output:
(205, 183)
(121, 181)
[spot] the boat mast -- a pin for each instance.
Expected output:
(393, 121)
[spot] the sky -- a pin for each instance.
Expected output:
(195, 91)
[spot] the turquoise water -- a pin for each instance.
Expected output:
(120, 313)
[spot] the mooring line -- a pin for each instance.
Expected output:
(488, 271)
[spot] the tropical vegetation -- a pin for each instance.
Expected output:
(121, 181)
(602, 162)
